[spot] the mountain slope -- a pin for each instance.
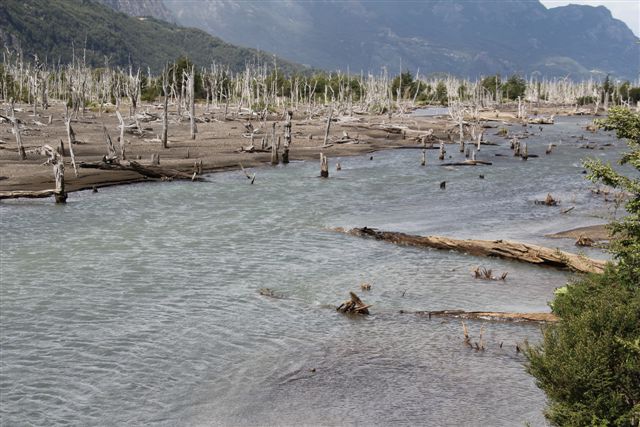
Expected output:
(52, 30)
(467, 38)
(153, 8)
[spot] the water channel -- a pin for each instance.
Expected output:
(140, 304)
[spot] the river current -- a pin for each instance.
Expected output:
(140, 304)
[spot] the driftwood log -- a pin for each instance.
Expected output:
(472, 162)
(488, 315)
(150, 171)
(19, 194)
(523, 252)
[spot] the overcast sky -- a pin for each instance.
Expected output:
(624, 10)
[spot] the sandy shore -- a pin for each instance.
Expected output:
(594, 232)
(217, 144)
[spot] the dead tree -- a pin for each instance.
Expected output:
(16, 130)
(165, 113)
(122, 153)
(274, 146)
(192, 103)
(71, 139)
(111, 151)
(456, 112)
(57, 161)
(133, 90)
(287, 138)
(326, 132)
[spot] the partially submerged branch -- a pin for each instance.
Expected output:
(487, 315)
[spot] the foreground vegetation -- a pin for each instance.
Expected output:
(589, 363)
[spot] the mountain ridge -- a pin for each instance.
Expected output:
(464, 38)
(100, 33)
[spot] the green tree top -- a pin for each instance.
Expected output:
(626, 245)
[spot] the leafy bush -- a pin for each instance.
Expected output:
(491, 84)
(634, 94)
(514, 87)
(441, 93)
(589, 364)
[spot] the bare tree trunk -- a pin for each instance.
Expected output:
(326, 132)
(165, 113)
(57, 161)
(192, 101)
(121, 138)
(71, 139)
(111, 151)
(274, 147)
(287, 138)
(16, 130)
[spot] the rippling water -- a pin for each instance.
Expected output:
(139, 304)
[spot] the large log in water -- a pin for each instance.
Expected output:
(497, 248)
(488, 315)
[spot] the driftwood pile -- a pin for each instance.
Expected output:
(354, 305)
(548, 201)
(484, 274)
(523, 252)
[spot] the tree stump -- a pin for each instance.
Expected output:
(354, 305)
(324, 166)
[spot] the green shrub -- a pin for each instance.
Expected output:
(441, 94)
(586, 100)
(589, 363)
(514, 87)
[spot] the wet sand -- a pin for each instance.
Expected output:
(594, 232)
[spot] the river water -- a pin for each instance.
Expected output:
(140, 304)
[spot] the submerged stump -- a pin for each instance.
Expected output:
(354, 305)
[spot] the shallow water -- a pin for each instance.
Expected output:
(139, 304)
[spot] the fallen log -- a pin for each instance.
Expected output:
(488, 315)
(17, 194)
(467, 163)
(523, 252)
(154, 172)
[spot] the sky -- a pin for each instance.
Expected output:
(624, 10)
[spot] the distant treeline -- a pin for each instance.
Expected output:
(266, 86)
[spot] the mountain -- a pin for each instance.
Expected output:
(55, 29)
(466, 38)
(154, 8)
